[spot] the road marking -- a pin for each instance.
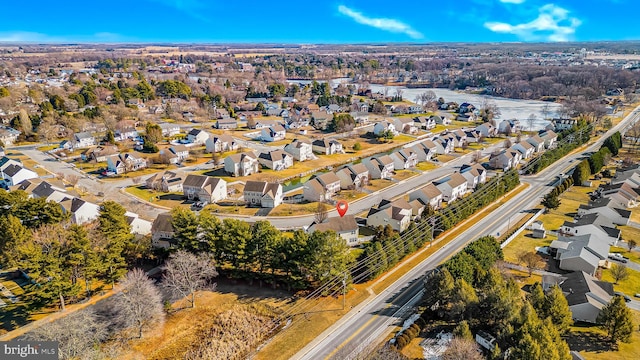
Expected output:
(355, 333)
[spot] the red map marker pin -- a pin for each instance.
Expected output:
(342, 207)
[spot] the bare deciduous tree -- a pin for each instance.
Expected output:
(531, 260)
(139, 305)
(619, 272)
(321, 213)
(78, 334)
(186, 273)
(531, 120)
(462, 349)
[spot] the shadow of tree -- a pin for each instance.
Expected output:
(590, 342)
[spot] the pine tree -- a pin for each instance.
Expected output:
(557, 309)
(185, 224)
(616, 320)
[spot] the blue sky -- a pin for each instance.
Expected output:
(342, 21)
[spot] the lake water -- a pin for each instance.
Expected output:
(509, 108)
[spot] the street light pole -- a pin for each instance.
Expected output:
(344, 291)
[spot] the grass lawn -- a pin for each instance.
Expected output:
(232, 209)
(350, 195)
(592, 344)
(523, 243)
(629, 233)
(48, 147)
(169, 200)
(379, 184)
(89, 167)
(294, 209)
(444, 158)
(404, 174)
(28, 163)
(426, 166)
(629, 286)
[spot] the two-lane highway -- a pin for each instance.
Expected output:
(369, 323)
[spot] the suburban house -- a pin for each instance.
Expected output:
(162, 231)
(622, 194)
(353, 176)
(475, 175)
(320, 119)
(204, 188)
(8, 135)
(502, 159)
(586, 295)
(404, 159)
(262, 124)
(473, 136)
(346, 227)
(592, 224)
(452, 187)
(14, 174)
(628, 174)
(427, 147)
(384, 125)
(580, 253)
(99, 153)
(126, 133)
(139, 226)
(80, 211)
(465, 108)
(563, 124)
(169, 129)
(227, 124)
(243, 164)
(175, 154)
(602, 207)
(327, 147)
(38, 188)
(83, 140)
(380, 167)
(509, 126)
(549, 138)
(424, 122)
(273, 133)
(197, 137)
(361, 117)
(441, 120)
(526, 150)
(301, 150)
(443, 145)
(405, 125)
(123, 163)
(487, 130)
(166, 181)
(262, 194)
(296, 122)
(429, 195)
(276, 160)
(321, 187)
(537, 142)
(220, 143)
(397, 214)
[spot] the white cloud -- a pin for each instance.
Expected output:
(35, 37)
(512, 1)
(391, 25)
(552, 24)
(27, 36)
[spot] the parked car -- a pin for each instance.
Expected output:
(618, 257)
(625, 297)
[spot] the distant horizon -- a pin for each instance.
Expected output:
(333, 22)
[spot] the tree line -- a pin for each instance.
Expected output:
(260, 252)
(62, 261)
(388, 247)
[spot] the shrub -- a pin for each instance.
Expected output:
(357, 146)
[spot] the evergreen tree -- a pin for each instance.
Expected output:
(185, 225)
(462, 331)
(14, 234)
(616, 320)
(116, 230)
(557, 309)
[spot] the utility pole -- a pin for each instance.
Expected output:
(344, 291)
